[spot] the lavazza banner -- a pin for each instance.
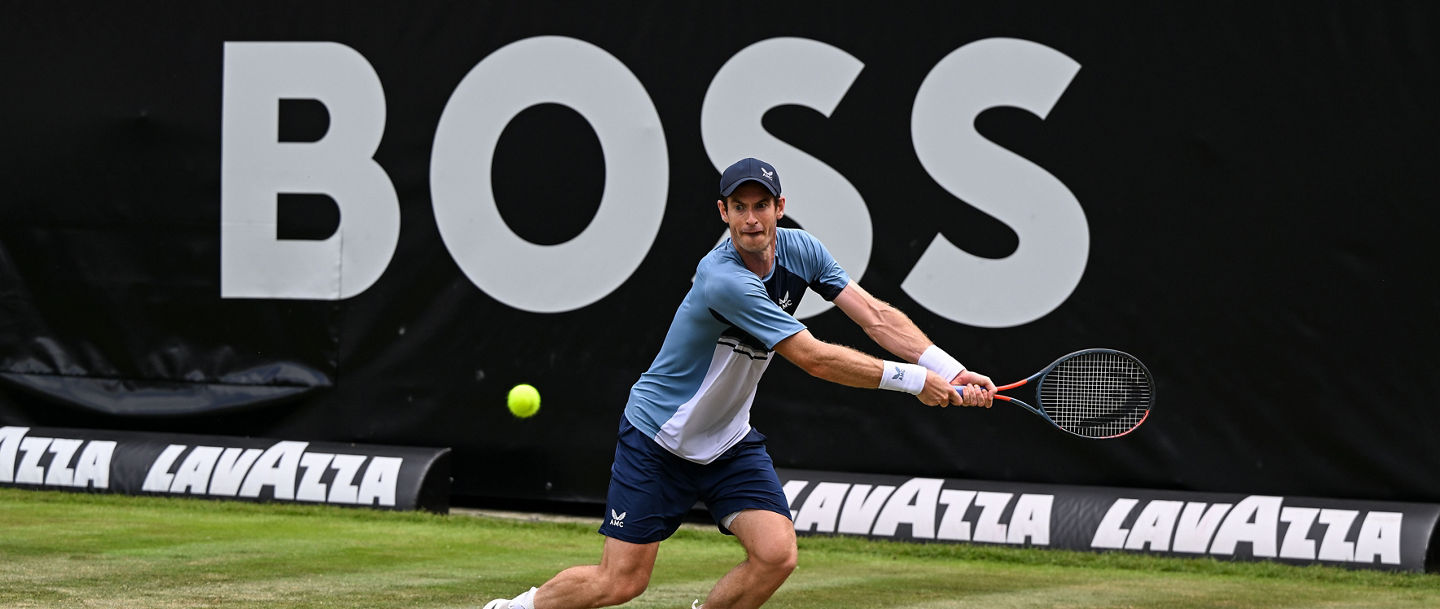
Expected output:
(218, 467)
(1297, 530)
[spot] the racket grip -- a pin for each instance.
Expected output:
(961, 390)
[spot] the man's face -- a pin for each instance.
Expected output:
(752, 212)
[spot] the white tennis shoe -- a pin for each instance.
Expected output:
(524, 601)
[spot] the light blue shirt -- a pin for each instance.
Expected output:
(695, 398)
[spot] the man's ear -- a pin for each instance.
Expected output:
(779, 208)
(720, 204)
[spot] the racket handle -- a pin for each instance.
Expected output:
(961, 389)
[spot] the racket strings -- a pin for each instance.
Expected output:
(1097, 394)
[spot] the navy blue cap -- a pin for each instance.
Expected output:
(749, 169)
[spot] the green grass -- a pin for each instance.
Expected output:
(78, 550)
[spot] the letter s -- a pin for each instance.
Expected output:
(795, 71)
(1054, 236)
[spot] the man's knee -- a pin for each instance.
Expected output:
(622, 587)
(778, 557)
(769, 540)
(625, 570)
(628, 588)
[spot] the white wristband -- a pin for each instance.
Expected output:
(938, 361)
(896, 376)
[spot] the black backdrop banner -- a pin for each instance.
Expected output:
(366, 221)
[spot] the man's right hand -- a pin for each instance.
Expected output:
(979, 390)
(938, 392)
(975, 389)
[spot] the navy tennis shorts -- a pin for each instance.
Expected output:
(651, 489)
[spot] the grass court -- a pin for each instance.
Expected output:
(62, 549)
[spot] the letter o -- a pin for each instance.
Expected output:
(587, 79)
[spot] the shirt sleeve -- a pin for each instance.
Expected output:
(741, 300)
(825, 276)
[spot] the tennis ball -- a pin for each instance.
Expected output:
(524, 401)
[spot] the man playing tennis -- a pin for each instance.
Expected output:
(686, 432)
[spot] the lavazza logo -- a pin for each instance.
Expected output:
(926, 507)
(1199, 527)
(285, 471)
(247, 472)
(57, 462)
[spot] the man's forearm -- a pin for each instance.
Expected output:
(846, 366)
(894, 332)
(887, 326)
(831, 362)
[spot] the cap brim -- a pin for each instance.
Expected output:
(725, 192)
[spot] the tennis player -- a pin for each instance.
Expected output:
(686, 434)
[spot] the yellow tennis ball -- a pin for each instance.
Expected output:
(524, 401)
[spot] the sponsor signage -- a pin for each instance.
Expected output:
(248, 469)
(974, 77)
(1298, 530)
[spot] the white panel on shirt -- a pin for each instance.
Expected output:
(698, 430)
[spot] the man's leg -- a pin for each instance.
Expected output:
(770, 553)
(623, 573)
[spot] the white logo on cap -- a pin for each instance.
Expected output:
(769, 175)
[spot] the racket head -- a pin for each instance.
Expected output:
(1096, 393)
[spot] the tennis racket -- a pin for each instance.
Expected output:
(1092, 393)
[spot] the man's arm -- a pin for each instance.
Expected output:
(846, 366)
(893, 331)
(886, 325)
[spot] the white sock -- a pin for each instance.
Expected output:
(524, 601)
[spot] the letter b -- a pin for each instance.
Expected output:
(255, 167)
